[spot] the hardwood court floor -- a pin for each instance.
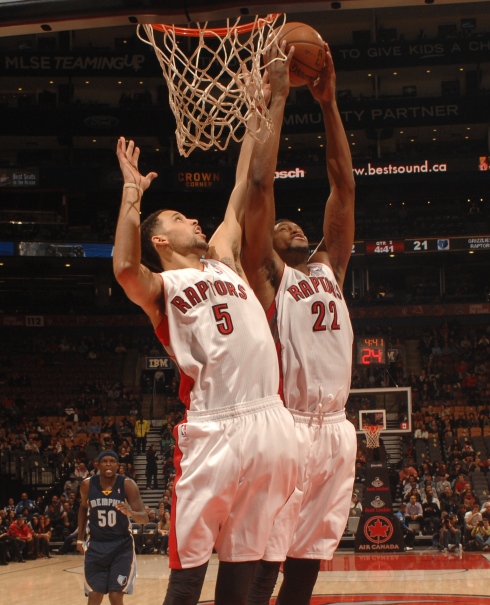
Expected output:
(421, 577)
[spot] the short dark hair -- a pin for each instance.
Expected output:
(149, 255)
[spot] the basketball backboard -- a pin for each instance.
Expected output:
(391, 406)
(372, 418)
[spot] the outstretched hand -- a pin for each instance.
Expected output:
(128, 157)
(323, 89)
(278, 69)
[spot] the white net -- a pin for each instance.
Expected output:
(215, 86)
(372, 435)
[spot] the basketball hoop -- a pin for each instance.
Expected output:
(372, 433)
(216, 88)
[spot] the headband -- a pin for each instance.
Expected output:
(107, 453)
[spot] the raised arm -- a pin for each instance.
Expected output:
(140, 285)
(338, 223)
(261, 264)
(226, 242)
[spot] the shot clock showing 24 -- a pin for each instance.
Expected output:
(370, 351)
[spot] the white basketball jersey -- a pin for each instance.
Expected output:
(216, 329)
(315, 337)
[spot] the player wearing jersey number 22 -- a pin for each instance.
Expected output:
(302, 296)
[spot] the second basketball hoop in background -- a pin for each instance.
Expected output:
(309, 52)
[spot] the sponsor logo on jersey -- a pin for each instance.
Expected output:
(183, 431)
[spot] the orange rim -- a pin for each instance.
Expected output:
(372, 430)
(215, 31)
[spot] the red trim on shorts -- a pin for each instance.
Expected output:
(271, 315)
(173, 548)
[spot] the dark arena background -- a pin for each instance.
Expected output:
(413, 89)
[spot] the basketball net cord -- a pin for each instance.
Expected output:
(214, 92)
(372, 435)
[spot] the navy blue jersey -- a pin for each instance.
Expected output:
(105, 522)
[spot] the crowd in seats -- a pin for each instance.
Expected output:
(443, 478)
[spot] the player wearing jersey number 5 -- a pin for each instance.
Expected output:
(303, 299)
(235, 451)
(107, 503)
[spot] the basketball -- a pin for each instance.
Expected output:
(309, 52)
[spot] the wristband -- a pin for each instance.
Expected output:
(134, 186)
(80, 542)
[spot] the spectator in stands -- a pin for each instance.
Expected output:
(69, 519)
(56, 505)
(472, 519)
(410, 484)
(131, 471)
(449, 501)
(41, 533)
(415, 512)
(468, 498)
(10, 506)
(23, 534)
(93, 427)
(354, 502)
(93, 467)
(421, 431)
(459, 484)
(152, 467)
(10, 544)
(164, 531)
(360, 473)
(72, 485)
(406, 472)
(407, 532)
(81, 472)
(481, 535)
(485, 509)
(432, 515)
(451, 534)
(23, 503)
(141, 430)
(70, 541)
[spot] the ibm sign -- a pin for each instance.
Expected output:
(158, 363)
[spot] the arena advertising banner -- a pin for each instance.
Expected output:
(379, 531)
(398, 53)
(421, 52)
(19, 177)
(389, 112)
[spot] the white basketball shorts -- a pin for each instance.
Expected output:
(235, 469)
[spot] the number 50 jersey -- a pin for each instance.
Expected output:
(216, 330)
(315, 339)
(105, 522)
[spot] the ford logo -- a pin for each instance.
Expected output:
(101, 122)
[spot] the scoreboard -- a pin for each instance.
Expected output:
(370, 351)
(421, 245)
(445, 244)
